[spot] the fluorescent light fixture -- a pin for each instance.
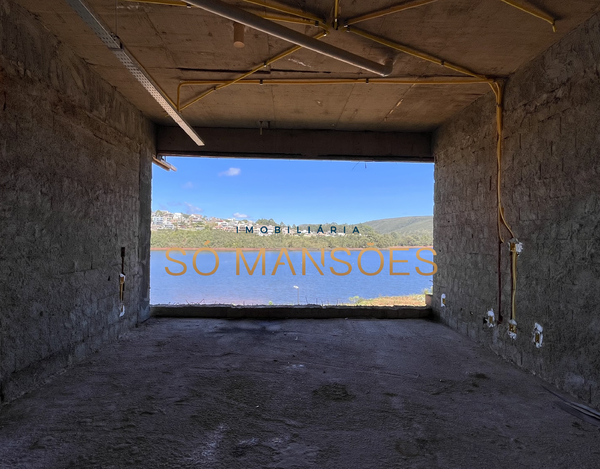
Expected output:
(160, 161)
(136, 69)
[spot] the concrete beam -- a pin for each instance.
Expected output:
(289, 312)
(297, 144)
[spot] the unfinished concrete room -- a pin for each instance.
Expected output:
(455, 139)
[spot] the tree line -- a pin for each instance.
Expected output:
(232, 240)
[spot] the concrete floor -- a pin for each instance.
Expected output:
(294, 394)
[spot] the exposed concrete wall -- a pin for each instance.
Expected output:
(75, 161)
(551, 193)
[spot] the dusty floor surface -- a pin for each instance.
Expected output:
(294, 394)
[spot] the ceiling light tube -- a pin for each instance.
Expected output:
(160, 161)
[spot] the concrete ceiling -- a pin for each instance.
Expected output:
(176, 43)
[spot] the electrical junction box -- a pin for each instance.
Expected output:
(512, 329)
(538, 335)
(490, 318)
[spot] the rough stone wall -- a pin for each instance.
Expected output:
(551, 193)
(75, 161)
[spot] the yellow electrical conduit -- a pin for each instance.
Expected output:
(297, 17)
(388, 11)
(441, 80)
(291, 19)
(309, 18)
(537, 13)
(498, 90)
(241, 77)
(418, 3)
(321, 81)
(175, 3)
(289, 10)
(496, 87)
(416, 53)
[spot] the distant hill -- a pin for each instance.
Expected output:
(402, 225)
(405, 231)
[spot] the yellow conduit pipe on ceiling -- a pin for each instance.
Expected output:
(286, 9)
(175, 3)
(388, 11)
(294, 20)
(340, 81)
(336, 11)
(241, 77)
(268, 16)
(416, 53)
(538, 14)
(326, 81)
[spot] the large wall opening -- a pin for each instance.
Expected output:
(287, 232)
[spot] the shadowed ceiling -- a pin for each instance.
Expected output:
(176, 43)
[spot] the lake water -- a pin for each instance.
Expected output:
(225, 287)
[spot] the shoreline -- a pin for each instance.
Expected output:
(289, 249)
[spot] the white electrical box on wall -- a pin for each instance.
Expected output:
(538, 335)
(512, 329)
(490, 318)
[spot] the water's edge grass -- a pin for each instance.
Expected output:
(406, 300)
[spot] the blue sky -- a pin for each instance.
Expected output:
(294, 191)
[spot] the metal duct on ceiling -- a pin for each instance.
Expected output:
(136, 69)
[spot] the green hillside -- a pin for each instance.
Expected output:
(402, 225)
(405, 231)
